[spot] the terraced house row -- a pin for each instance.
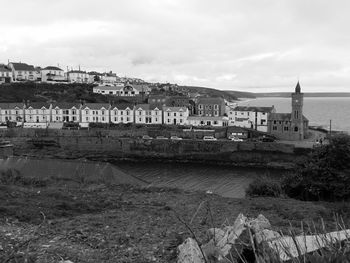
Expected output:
(42, 115)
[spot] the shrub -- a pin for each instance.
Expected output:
(324, 175)
(264, 186)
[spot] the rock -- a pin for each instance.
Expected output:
(224, 239)
(266, 235)
(286, 248)
(189, 252)
(258, 224)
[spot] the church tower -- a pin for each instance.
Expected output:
(297, 121)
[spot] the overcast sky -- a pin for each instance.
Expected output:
(260, 45)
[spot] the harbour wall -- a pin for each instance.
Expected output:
(75, 145)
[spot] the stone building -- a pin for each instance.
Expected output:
(290, 126)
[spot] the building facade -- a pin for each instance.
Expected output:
(250, 117)
(148, 114)
(207, 121)
(22, 72)
(122, 113)
(37, 112)
(51, 73)
(5, 74)
(210, 107)
(95, 112)
(66, 112)
(12, 112)
(175, 115)
(290, 126)
(78, 76)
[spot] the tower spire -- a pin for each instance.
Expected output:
(297, 88)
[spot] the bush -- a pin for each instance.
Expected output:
(324, 175)
(264, 186)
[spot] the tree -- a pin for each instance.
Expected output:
(324, 175)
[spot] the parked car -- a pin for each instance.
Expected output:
(235, 139)
(209, 138)
(266, 139)
(146, 137)
(175, 138)
(161, 138)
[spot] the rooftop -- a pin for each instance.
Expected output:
(22, 66)
(254, 108)
(52, 68)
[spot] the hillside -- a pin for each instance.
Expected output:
(211, 92)
(241, 94)
(43, 92)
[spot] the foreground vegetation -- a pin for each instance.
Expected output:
(50, 219)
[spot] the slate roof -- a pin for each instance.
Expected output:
(253, 108)
(283, 117)
(38, 105)
(22, 66)
(148, 106)
(96, 106)
(77, 71)
(209, 118)
(174, 109)
(122, 106)
(205, 100)
(11, 105)
(52, 68)
(66, 105)
(4, 68)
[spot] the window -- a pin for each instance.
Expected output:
(215, 122)
(87, 118)
(140, 119)
(216, 107)
(180, 120)
(285, 128)
(274, 128)
(200, 106)
(216, 113)
(127, 119)
(168, 120)
(87, 112)
(168, 114)
(115, 119)
(121, 112)
(236, 113)
(174, 114)
(121, 118)
(103, 118)
(127, 112)
(296, 129)
(180, 114)
(103, 112)
(275, 122)
(140, 112)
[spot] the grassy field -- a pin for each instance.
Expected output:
(50, 220)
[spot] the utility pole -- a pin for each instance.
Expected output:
(330, 128)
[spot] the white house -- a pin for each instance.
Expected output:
(207, 121)
(122, 113)
(22, 72)
(175, 115)
(5, 74)
(109, 90)
(37, 112)
(66, 112)
(51, 73)
(250, 117)
(109, 78)
(78, 76)
(95, 112)
(13, 112)
(148, 114)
